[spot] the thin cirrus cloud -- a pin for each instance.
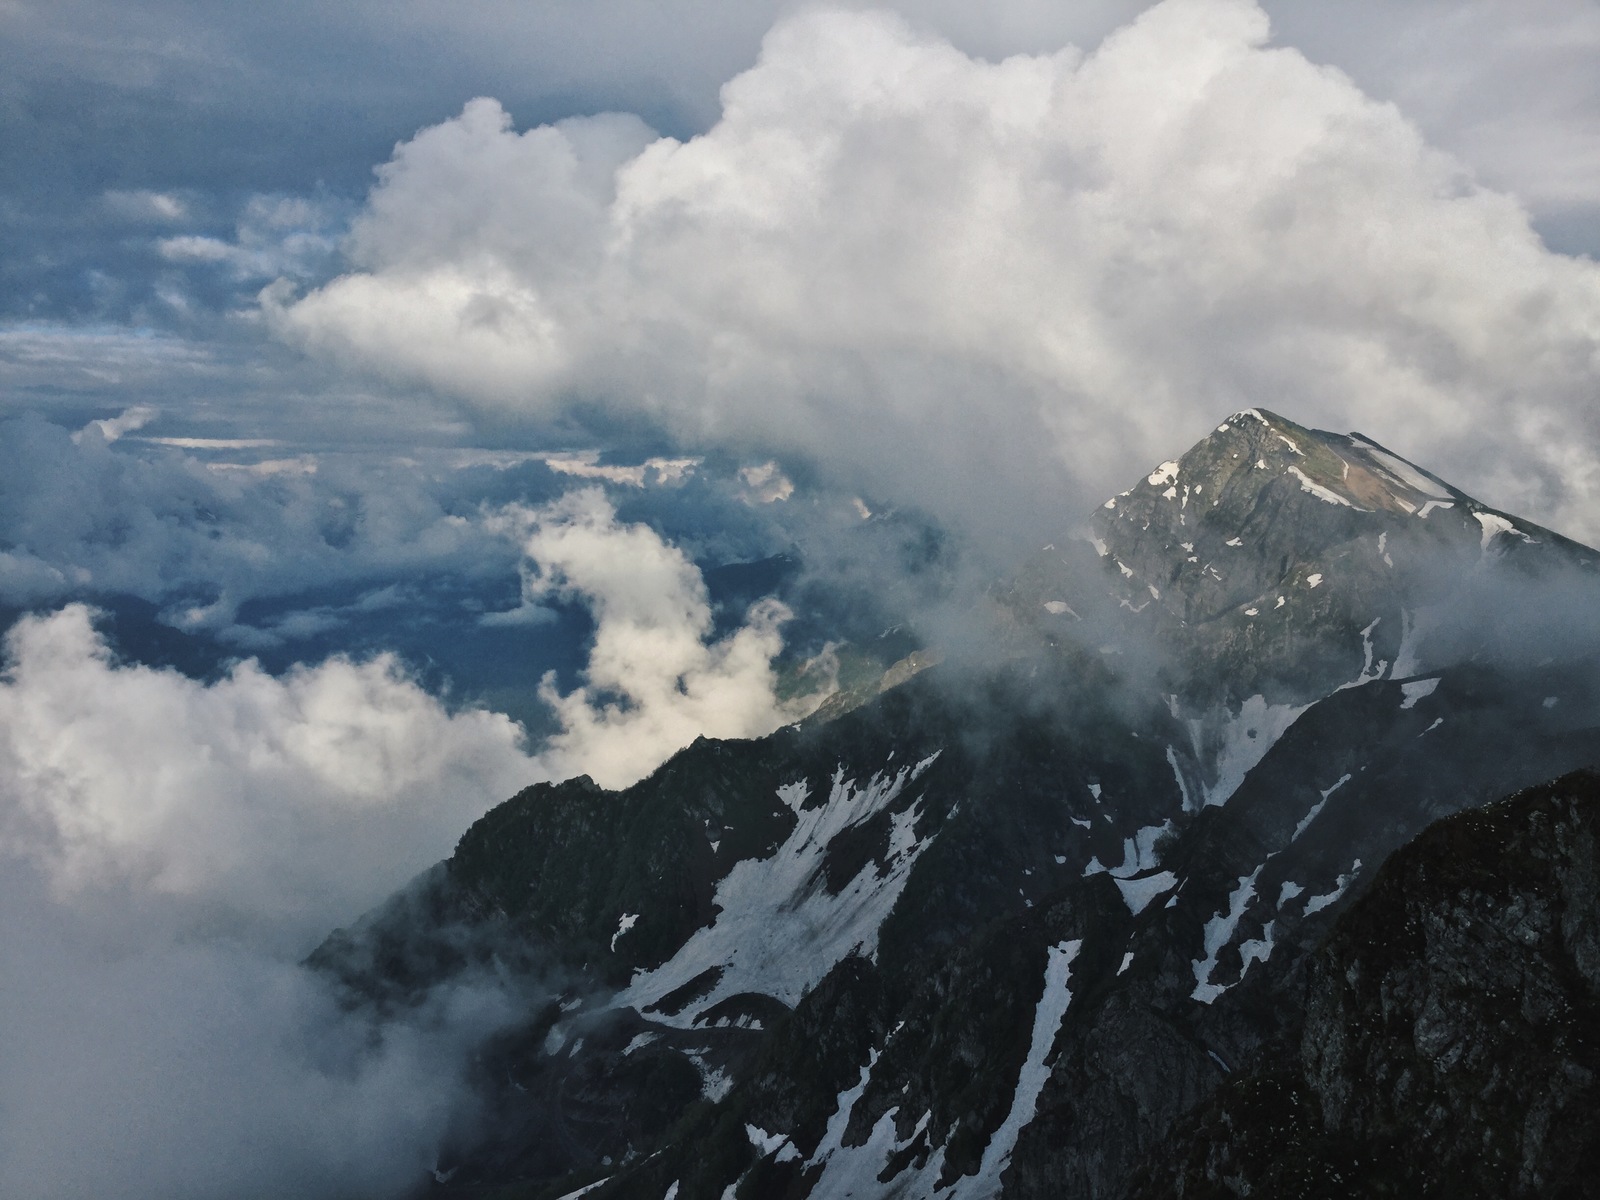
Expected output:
(929, 271)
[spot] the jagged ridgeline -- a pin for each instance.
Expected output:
(998, 931)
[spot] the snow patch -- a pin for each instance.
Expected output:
(1234, 542)
(1167, 472)
(1407, 660)
(771, 1143)
(1256, 949)
(854, 1170)
(1369, 670)
(1053, 1005)
(1219, 930)
(629, 920)
(1243, 740)
(1311, 815)
(1307, 484)
(778, 931)
(1418, 689)
(1177, 773)
(1139, 892)
(1317, 903)
(1139, 851)
(640, 1041)
(1494, 525)
(1433, 504)
(585, 1189)
(1314, 580)
(1400, 471)
(1057, 607)
(1127, 961)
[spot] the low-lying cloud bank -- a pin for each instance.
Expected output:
(170, 847)
(986, 286)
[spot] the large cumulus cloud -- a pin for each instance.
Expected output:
(936, 272)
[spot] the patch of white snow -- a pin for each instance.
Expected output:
(1311, 815)
(1241, 741)
(629, 920)
(1416, 690)
(778, 930)
(1307, 484)
(1137, 893)
(1047, 1017)
(1219, 929)
(1317, 903)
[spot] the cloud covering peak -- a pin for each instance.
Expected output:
(925, 269)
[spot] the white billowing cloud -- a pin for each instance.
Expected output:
(965, 282)
(169, 847)
(245, 794)
(1508, 85)
(655, 680)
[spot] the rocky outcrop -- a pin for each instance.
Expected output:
(1451, 1037)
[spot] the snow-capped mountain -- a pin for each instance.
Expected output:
(996, 932)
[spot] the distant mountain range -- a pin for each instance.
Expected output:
(1100, 911)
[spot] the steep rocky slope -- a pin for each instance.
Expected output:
(1451, 1041)
(996, 931)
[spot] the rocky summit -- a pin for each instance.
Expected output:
(1056, 922)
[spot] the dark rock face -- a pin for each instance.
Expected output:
(997, 931)
(1451, 1040)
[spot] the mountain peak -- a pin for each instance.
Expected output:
(1263, 507)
